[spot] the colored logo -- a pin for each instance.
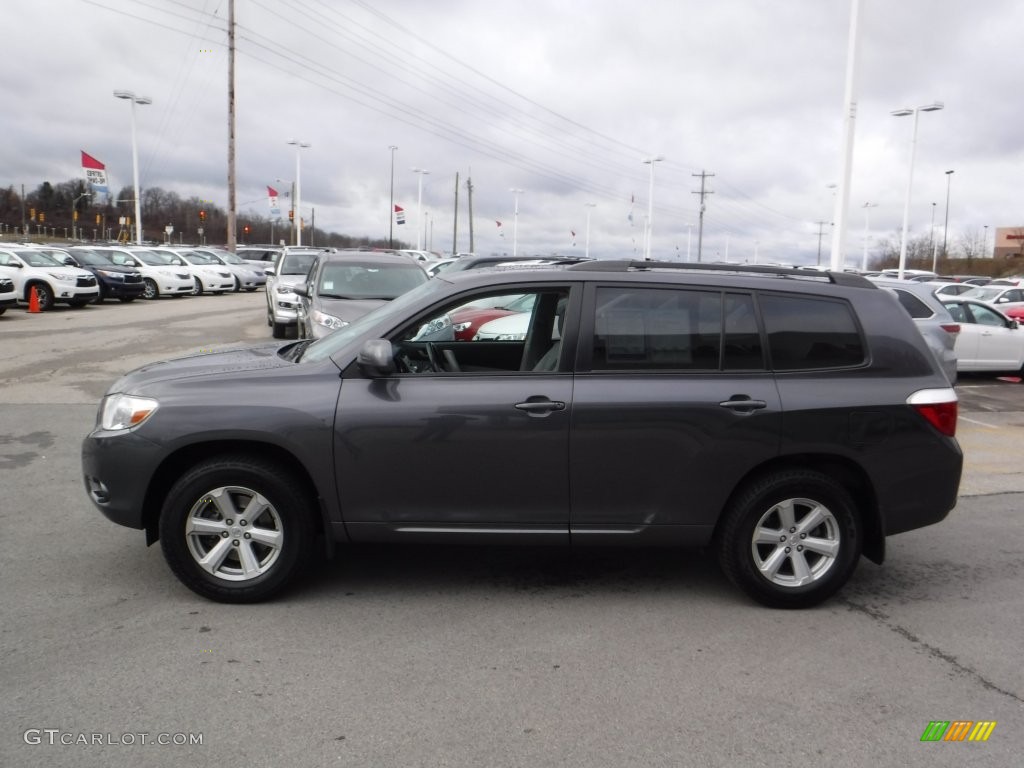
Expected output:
(958, 730)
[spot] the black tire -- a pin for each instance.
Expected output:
(126, 299)
(99, 296)
(238, 284)
(45, 295)
(151, 291)
(197, 288)
(217, 491)
(80, 303)
(2, 310)
(280, 331)
(250, 289)
(219, 293)
(795, 494)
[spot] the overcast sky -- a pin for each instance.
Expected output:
(562, 99)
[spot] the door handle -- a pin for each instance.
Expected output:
(743, 404)
(540, 407)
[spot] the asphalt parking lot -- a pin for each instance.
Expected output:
(500, 657)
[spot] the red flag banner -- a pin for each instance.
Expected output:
(399, 215)
(96, 177)
(88, 161)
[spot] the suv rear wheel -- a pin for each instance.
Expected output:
(236, 529)
(790, 539)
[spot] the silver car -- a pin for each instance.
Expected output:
(931, 317)
(282, 302)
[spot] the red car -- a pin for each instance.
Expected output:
(466, 321)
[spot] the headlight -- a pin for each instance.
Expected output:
(125, 411)
(63, 278)
(460, 327)
(284, 290)
(111, 275)
(510, 337)
(328, 321)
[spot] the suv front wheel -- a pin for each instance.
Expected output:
(790, 539)
(236, 529)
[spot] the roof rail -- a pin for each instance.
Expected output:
(626, 265)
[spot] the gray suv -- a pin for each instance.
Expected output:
(789, 420)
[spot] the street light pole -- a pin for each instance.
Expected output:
(945, 227)
(135, 159)
(864, 260)
(915, 111)
(299, 145)
(74, 203)
(419, 206)
(588, 206)
(515, 219)
(650, 205)
(391, 210)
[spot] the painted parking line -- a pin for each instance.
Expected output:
(980, 423)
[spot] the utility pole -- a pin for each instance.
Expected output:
(312, 226)
(24, 222)
(232, 223)
(821, 231)
(703, 192)
(455, 224)
(469, 196)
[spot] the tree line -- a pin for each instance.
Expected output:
(49, 210)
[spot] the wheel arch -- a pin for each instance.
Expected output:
(33, 281)
(843, 470)
(179, 462)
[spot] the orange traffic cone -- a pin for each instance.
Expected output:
(33, 300)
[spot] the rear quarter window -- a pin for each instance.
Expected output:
(811, 333)
(916, 308)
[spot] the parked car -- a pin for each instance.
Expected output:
(434, 268)
(1000, 296)
(931, 317)
(261, 257)
(8, 294)
(282, 277)
(910, 274)
(468, 320)
(162, 274)
(1012, 280)
(789, 421)
(941, 289)
(114, 281)
(489, 262)
(54, 283)
(988, 339)
(345, 285)
(248, 277)
(208, 274)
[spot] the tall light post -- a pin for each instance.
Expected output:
(515, 219)
(299, 145)
(650, 205)
(984, 242)
(915, 111)
(864, 260)
(945, 227)
(588, 206)
(135, 159)
(391, 209)
(421, 172)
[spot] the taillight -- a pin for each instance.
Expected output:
(953, 328)
(938, 406)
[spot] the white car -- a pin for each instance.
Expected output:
(247, 276)
(161, 275)
(209, 274)
(988, 339)
(282, 301)
(8, 296)
(29, 268)
(1001, 296)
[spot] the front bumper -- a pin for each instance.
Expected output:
(116, 469)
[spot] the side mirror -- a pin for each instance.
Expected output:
(69, 261)
(301, 290)
(376, 358)
(269, 271)
(1014, 323)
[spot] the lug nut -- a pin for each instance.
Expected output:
(248, 535)
(791, 530)
(803, 535)
(234, 543)
(229, 521)
(241, 522)
(799, 549)
(224, 534)
(787, 550)
(782, 538)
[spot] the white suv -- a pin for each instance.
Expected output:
(29, 268)
(159, 274)
(282, 302)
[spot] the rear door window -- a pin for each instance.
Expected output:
(811, 333)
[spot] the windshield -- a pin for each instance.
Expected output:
(368, 280)
(195, 257)
(230, 258)
(392, 311)
(154, 258)
(91, 258)
(39, 259)
(297, 263)
(983, 294)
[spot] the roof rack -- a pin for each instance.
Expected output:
(626, 265)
